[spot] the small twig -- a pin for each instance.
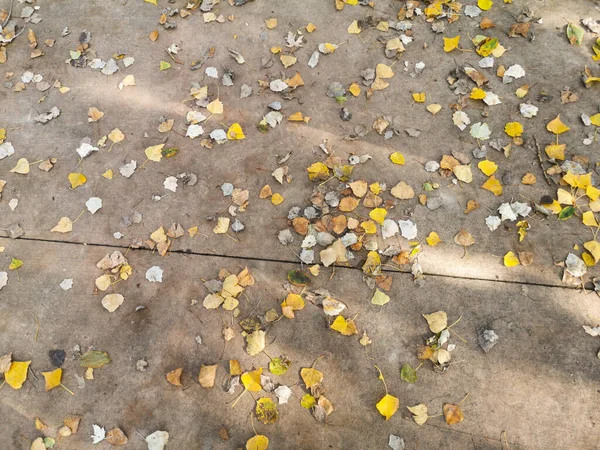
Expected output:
(539, 155)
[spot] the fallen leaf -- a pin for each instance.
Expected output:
(453, 414)
(451, 43)
(174, 376)
(64, 225)
(419, 413)
(52, 378)
(266, 410)
(22, 167)
(207, 375)
(347, 327)
(258, 442)
(311, 376)
(487, 167)
(556, 126)
(397, 158)
(511, 260)
(251, 380)
(17, 374)
(464, 238)
(493, 185)
(388, 406)
(437, 321)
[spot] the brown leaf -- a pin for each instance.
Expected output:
(486, 23)
(519, 28)
(153, 36)
(116, 437)
(300, 225)
(73, 423)
(348, 204)
(464, 238)
(424, 352)
(207, 375)
(453, 414)
(265, 192)
(402, 191)
(472, 205)
(371, 200)
(526, 258)
(359, 187)
(174, 377)
(224, 434)
(449, 162)
(339, 224)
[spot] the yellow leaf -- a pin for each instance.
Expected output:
(487, 167)
(511, 260)
(437, 321)
(588, 219)
(22, 167)
(258, 442)
(94, 114)
(588, 259)
(310, 27)
(296, 117)
(288, 60)
(275, 50)
(52, 378)
(222, 225)
(215, 107)
(277, 199)
(522, 91)
(595, 119)
(318, 171)
(251, 380)
(154, 153)
(477, 94)
(375, 188)
(129, 80)
(564, 197)
(419, 413)
(382, 71)
(513, 129)
(451, 43)
(369, 227)
(64, 225)
(556, 151)
(388, 406)
(433, 239)
(594, 248)
(397, 158)
(354, 28)
(493, 185)
(271, 23)
(116, 136)
(76, 179)
(235, 132)
(151, 1)
(354, 89)
(418, 97)
(556, 126)
(578, 181)
(463, 173)
(485, 5)
(311, 376)
(452, 414)
(378, 215)
(592, 192)
(434, 108)
(293, 301)
(17, 374)
(15, 264)
(528, 179)
(108, 174)
(345, 327)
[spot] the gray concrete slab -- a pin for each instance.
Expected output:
(538, 383)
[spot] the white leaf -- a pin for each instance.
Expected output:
(128, 61)
(461, 120)
(277, 85)
(194, 131)
(487, 62)
(493, 222)
(283, 394)
(110, 67)
(154, 274)
(480, 131)
(66, 284)
(111, 302)
(219, 135)
(170, 184)
(528, 110)
(389, 228)
(506, 212)
(6, 149)
(491, 99)
(212, 72)
(128, 169)
(13, 204)
(99, 434)
(157, 440)
(94, 204)
(592, 331)
(514, 71)
(3, 279)
(314, 59)
(85, 149)
(408, 229)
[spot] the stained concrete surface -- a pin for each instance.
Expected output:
(539, 384)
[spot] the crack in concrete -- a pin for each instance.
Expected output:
(270, 260)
